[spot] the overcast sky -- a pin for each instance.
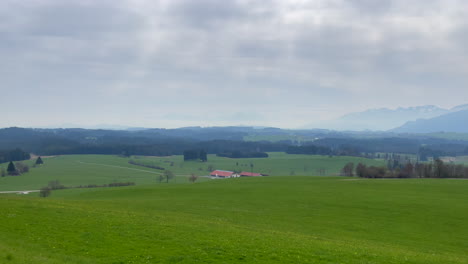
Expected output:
(174, 63)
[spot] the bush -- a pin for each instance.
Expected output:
(193, 178)
(147, 165)
(55, 185)
(21, 167)
(45, 192)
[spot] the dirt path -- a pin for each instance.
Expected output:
(121, 167)
(20, 192)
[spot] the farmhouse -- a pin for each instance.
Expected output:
(222, 174)
(249, 174)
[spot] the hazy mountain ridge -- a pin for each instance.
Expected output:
(451, 122)
(384, 118)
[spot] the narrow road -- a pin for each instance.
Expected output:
(25, 192)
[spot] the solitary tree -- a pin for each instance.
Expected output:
(39, 161)
(160, 178)
(168, 175)
(12, 169)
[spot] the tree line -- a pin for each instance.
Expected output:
(13, 155)
(134, 162)
(164, 142)
(243, 154)
(436, 169)
(195, 154)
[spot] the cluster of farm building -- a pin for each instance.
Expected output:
(232, 174)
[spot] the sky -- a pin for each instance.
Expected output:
(175, 63)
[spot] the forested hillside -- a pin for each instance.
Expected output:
(226, 141)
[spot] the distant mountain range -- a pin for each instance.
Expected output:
(451, 122)
(384, 119)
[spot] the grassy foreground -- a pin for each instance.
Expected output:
(244, 220)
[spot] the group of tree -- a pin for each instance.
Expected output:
(18, 168)
(426, 148)
(56, 185)
(13, 155)
(348, 169)
(309, 150)
(15, 169)
(436, 169)
(194, 154)
(152, 166)
(52, 185)
(164, 142)
(240, 154)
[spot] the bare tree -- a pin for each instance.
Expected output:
(193, 178)
(348, 169)
(21, 167)
(168, 175)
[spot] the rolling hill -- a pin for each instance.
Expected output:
(384, 118)
(451, 122)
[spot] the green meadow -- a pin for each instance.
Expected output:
(278, 219)
(277, 164)
(74, 170)
(290, 219)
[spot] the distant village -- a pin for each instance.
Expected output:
(216, 174)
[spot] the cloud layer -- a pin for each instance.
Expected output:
(172, 63)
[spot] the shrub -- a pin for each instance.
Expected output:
(193, 178)
(21, 167)
(55, 185)
(45, 191)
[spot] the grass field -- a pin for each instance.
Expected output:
(74, 170)
(283, 219)
(77, 170)
(287, 219)
(277, 164)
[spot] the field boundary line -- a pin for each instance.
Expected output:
(121, 167)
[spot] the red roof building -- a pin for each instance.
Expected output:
(222, 173)
(249, 174)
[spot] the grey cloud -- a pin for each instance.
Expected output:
(372, 7)
(206, 13)
(268, 55)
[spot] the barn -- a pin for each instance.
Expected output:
(222, 174)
